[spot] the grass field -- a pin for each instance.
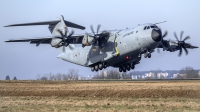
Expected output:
(100, 96)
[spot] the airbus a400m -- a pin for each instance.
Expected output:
(98, 50)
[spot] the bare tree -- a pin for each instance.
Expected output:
(181, 76)
(99, 75)
(38, 77)
(189, 72)
(65, 77)
(58, 76)
(109, 74)
(51, 76)
(113, 74)
(73, 74)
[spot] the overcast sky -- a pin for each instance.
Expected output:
(25, 61)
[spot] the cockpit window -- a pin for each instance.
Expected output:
(153, 26)
(148, 27)
(145, 27)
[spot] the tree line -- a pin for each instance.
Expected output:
(71, 75)
(184, 73)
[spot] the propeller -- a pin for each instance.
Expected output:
(96, 35)
(66, 39)
(182, 44)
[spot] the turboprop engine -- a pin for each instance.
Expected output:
(56, 42)
(87, 40)
(96, 38)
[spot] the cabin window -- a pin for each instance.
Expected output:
(148, 27)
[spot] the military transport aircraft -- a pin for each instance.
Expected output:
(116, 48)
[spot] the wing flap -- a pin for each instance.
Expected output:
(36, 41)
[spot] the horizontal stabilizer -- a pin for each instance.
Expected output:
(69, 24)
(73, 25)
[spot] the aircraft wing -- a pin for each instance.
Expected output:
(77, 39)
(36, 41)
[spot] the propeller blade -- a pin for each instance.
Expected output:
(63, 49)
(192, 47)
(71, 33)
(187, 45)
(176, 36)
(98, 27)
(92, 29)
(86, 34)
(165, 34)
(180, 52)
(181, 35)
(164, 48)
(186, 51)
(188, 37)
(158, 50)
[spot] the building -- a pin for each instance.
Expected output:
(199, 73)
(134, 77)
(149, 75)
(175, 75)
(162, 75)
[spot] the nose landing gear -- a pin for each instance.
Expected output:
(147, 55)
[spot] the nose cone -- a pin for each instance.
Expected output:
(156, 35)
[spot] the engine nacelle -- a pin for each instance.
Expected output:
(87, 40)
(56, 42)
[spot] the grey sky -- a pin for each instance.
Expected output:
(26, 61)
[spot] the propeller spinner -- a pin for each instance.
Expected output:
(66, 39)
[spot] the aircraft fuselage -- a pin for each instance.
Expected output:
(124, 46)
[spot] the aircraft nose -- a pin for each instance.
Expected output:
(156, 35)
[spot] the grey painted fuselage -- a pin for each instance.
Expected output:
(125, 46)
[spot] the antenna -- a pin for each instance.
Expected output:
(161, 22)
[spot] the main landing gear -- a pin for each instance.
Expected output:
(126, 67)
(99, 66)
